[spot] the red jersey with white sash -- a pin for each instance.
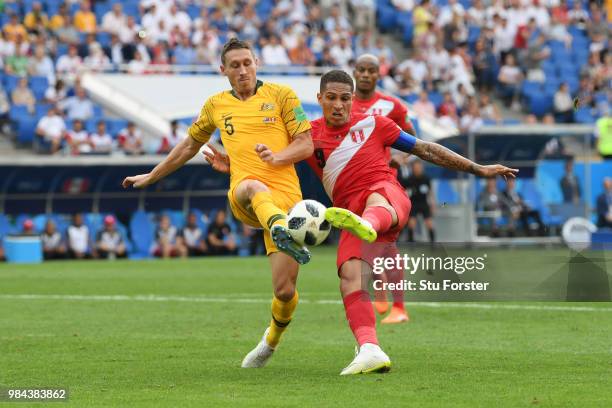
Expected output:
(352, 158)
(384, 105)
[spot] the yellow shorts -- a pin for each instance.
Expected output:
(283, 200)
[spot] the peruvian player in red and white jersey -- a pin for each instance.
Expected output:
(367, 100)
(349, 157)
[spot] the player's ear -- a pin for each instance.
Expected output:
(319, 97)
(222, 69)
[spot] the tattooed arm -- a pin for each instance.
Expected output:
(440, 155)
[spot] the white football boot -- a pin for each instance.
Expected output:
(259, 356)
(369, 359)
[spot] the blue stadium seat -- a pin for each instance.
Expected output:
(142, 232)
(412, 98)
(193, 10)
(445, 193)
(114, 126)
(436, 98)
(17, 112)
(177, 218)
(584, 115)
(104, 39)
(42, 109)
(10, 82)
(26, 127)
(540, 104)
(387, 19)
(5, 226)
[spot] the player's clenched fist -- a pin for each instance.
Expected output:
(265, 154)
(139, 181)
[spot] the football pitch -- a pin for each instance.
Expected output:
(173, 333)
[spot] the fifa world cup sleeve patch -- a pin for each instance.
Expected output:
(299, 113)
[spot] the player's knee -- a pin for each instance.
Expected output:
(253, 187)
(284, 292)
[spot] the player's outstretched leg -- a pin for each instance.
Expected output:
(370, 357)
(396, 275)
(274, 219)
(347, 220)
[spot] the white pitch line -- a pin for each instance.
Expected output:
(201, 299)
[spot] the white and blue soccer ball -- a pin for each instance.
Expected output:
(307, 224)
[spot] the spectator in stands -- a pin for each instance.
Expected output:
(177, 133)
(50, 130)
(85, 19)
(518, 209)
(423, 106)
(42, 65)
(101, 141)
(56, 93)
(336, 20)
(78, 106)
(488, 109)
(603, 133)
(578, 16)
(27, 228)
(23, 96)
(447, 111)
(97, 60)
(52, 242)
(78, 139)
(178, 18)
(184, 53)
(490, 205)
(407, 85)
(130, 139)
(129, 32)
(194, 237)
(36, 20)
(563, 104)
(510, 78)
(167, 241)
(68, 65)
(421, 18)
(570, 186)
(137, 66)
(536, 53)
(13, 28)
(438, 62)
(301, 54)
(109, 242)
(273, 53)
(504, 35)
(598, 31)
(220, 238)
(4, 109)
(604, 205)
(250, 242)
(17, 63)
(62, 27)
(471, 121)
(326, 59)
(114, 20)
(558, 32)
(342, 53)
(79, 243)
(484, 66)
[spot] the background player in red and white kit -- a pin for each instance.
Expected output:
(367, 100)
(349, 158)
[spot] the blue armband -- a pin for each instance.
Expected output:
(404, 142)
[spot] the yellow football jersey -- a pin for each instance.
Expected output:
(273, 116)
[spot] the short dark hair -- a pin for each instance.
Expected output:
(234, 44)
(336, 75)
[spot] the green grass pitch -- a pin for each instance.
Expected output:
(173, 333)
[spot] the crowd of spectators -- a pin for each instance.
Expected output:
(110, 240)
(537, 56)
(463, 54)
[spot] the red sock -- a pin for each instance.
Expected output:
(380, 218)
(396, 276)
(360, 316)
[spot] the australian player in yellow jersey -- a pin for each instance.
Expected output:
(264, 131)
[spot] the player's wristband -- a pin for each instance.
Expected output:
(404, 142)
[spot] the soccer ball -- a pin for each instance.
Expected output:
(307, 223)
